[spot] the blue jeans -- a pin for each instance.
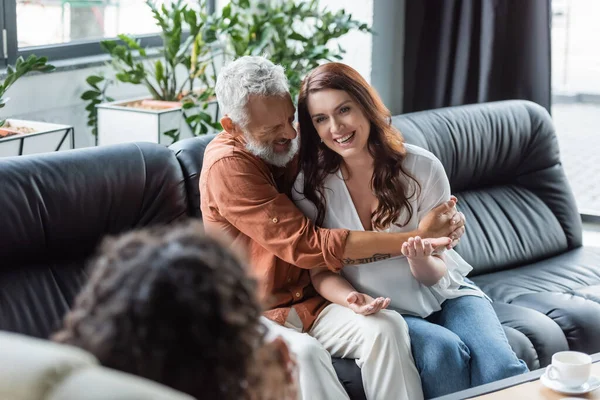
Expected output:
(461, 346)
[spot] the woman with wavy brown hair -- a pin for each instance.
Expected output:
(175, 306)
(357, 173)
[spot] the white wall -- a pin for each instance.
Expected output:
(377, 57)
(388, 50)
(358, 45)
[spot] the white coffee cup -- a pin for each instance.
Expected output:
(570, 368)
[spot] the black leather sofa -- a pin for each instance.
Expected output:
(523, 237)
(56, 207)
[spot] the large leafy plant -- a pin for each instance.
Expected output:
(22, 67)
(136, 65)
(296, 34)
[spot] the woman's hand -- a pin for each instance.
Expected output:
(364, 304)
(426, 269)
(416, 247)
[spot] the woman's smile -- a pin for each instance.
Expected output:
(346, 140)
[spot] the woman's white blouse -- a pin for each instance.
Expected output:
(392, 277)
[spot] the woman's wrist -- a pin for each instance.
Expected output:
(427, 270)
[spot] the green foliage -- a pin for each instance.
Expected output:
(22, 67)
(132, 63)
(95, 96)
(295, 34)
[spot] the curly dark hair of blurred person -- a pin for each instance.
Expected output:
(172, 305)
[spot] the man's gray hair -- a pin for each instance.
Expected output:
(248, 75)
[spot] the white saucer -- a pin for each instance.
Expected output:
(592, 384)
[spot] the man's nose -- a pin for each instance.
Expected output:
(290, 132)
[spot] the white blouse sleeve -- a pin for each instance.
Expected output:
(434, 192)
(435, 188)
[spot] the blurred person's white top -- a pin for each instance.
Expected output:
(392, 277)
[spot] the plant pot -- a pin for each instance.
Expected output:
(141, 120)
(22, 137)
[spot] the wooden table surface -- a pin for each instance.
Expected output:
(536, 391)
(523, 387)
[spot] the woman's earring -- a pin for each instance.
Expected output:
(321, 140)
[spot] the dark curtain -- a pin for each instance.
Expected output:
(472, 51)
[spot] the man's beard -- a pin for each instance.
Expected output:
(269, 155)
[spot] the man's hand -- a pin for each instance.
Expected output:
(364, 304)
(444, 221)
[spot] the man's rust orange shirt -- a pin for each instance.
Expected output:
(246, 199)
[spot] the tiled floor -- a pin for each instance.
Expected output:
(578, 131)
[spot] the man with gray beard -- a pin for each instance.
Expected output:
(247, 175)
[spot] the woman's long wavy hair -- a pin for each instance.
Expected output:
(385, 144)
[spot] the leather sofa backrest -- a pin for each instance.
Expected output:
(190, 153)
(502, 160)
(503, 163)
(56, 207)
(42, 370)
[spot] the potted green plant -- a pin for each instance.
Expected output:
(19, 136)
(299, 35)
(179, 104)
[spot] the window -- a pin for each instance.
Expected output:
(63, 29)
(576, 97)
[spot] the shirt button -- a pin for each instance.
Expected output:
(275, 220)
(289, 280)
(297, 294)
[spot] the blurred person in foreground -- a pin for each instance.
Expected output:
(174, 306)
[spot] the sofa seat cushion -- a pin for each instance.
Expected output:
(565, 288)
(534, 336)
(573, 272)
(350, 377)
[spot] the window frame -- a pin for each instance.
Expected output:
(61, 51)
